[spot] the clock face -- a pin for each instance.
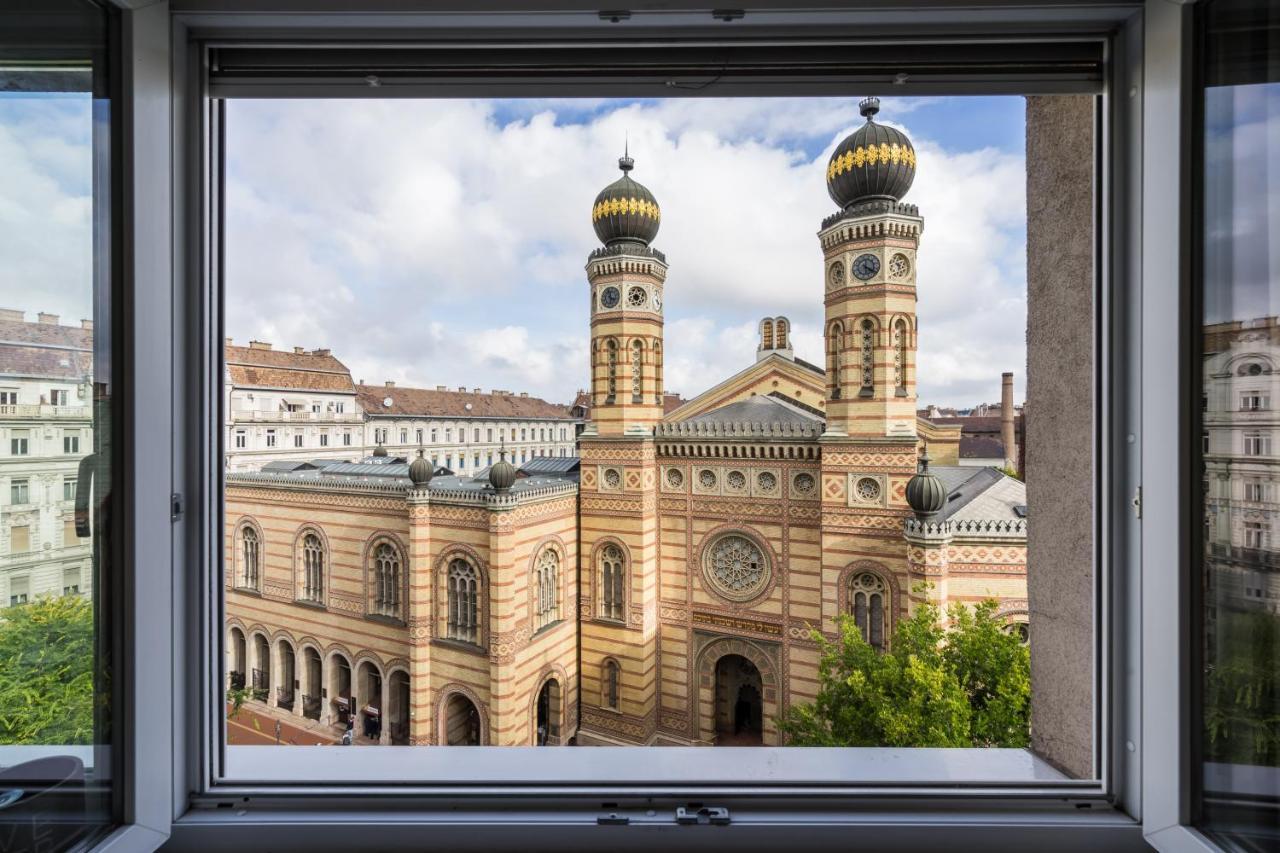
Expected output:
(865, 266)
(609, 297)
(836, 275)
(657, 300)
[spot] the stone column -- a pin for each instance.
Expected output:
(420, 613)
(384, 708)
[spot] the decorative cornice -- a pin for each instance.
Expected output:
(739, 429)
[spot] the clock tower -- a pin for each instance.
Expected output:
(618, 505)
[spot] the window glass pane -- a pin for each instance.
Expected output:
(694, 471)
(1238, 732)
(55, 321)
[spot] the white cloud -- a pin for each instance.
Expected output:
(362, 225)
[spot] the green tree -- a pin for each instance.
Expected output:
(1242, 689)
(969, 685)
(46, 671)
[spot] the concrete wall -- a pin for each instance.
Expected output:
(1059, 427)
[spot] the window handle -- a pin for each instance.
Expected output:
(84, 488)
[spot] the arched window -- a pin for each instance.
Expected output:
(612, 583)
(386, 580)
(868, 356)
(610, 684)
(250, 552)
(766, 334)
(312, 568)
(611, 369)
(546, 588)
(867, 592)
(782, 333)
(463, 596)
(637, 371)
(657, 372)
(834, 337)
(900, 357)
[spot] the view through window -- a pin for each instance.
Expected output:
(619, 422)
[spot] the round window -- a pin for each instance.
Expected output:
(636, 297)
(804, 484)
(867, 489)
(736, 567)
(675, 479)
(612, 478)
(707, 479)
(767, 481)
(899, 266)
(736, 480)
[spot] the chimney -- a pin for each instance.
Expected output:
(259, 345)
(12, 315)
(87, 325)
(320, 352)
(462, 388)
(48, 319)
(299, 351)
(228, 342)
(524, 393)
(441, 388)
(391, 384)
(477, 391)
(1006, 421)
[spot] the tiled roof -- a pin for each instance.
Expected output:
(671, 402)
(45, 350)
(981, 447)
(979, 494)
(420, 402)
(318, 370)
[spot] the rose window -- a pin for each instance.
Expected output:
(804, 484)
(707, 479)
(867, 489)
(899, 266)
(737, 568)
(636, 297)
(674, 478)
(736, 480)
(612, 478)
(767, 481)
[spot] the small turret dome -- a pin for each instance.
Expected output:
(925, 493)
(379, 450)
(502, 474)
(625, 211)
(874, 163)
(420, 470)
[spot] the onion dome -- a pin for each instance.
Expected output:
(502, 474)
(873, 163)
(925, 493)
(379, 450)
(420, 470)
(625, 211)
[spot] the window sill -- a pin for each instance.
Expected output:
(546, 629)
(460, 645)
(245, 590)
(314, 605)
(383, 619)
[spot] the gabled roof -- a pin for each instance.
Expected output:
(980, 494)
(317, 370)
(758, 378)
(761, 409)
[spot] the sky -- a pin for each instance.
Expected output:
(443, 242)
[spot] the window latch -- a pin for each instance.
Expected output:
(1137, 502)
(175, 506)
(713, 815)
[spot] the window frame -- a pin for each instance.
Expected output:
(169, 252)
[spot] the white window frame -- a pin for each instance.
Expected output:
(167, 745)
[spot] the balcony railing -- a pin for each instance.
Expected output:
(305, 417)
(42, 411)
(284, 698)
(1257, 557)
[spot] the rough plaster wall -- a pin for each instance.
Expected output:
(1059, 427)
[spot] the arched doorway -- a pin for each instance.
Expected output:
(237, 652)
(547, 720)
(312, 680)
(261, 668)
(739, 702)
(369, 702)
(461, 722)
(340, 690)
(398, 713)
(288, 670)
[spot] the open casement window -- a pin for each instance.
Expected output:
(1107, 106)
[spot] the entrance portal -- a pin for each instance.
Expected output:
(548, 716)
(739, 704)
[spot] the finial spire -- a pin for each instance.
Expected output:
(625, 163)
(869, 106)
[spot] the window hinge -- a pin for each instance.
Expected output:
(714, 815)
(1137, 502)
(175, 506)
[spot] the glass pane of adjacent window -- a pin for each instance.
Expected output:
(685, 496)
(55, 320)
(1238, 692)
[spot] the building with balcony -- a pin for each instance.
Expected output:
(46, 429)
